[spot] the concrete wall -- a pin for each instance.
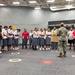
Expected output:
(24, 17)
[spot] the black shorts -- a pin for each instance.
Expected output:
(71, 41)
(74, 41)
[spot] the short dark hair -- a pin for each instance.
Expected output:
(0, 26)
(10, 26)
(18, 29)
(62, 24)
(5, 26)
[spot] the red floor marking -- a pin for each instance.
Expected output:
(46, 62)
(30, 54)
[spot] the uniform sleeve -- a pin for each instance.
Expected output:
(58, 33)
(8, 31)
(66, 32)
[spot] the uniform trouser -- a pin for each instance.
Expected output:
(16, 42)
(54, 45)
(24, 43)
(62, 46)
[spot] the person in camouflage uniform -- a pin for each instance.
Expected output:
(62, 41)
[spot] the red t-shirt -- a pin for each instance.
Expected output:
(74, 33)
(25, 35)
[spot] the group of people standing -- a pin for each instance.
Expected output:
(42, 39)
(46, 39)
(8, 38)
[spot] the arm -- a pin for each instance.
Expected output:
(10, 33)
(48, 34)
(23, 35)
(59, 32)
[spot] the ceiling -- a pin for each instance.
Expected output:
(57, 4)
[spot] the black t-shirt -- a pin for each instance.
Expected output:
(0, 34)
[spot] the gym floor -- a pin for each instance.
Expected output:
(29, 62)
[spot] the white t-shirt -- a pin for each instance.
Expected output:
(30, 34)
(45, 35)
(16, 33)
(10, 32)
(35, 34)
(70, 35)
(41, 33)
(48, 33)
(4, 32)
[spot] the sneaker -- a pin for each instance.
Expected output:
(40, 49)
(46, 48)
(0, 52)
(13, 48)
(37, 47)
(17, 48)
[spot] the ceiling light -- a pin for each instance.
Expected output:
(69, 0)
(52, 7)
(58, 9)
(37, 8)
(50, 0)
(69, 6)
(1, 4)
(16, 2)
(32, 2)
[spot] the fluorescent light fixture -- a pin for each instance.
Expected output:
(37, 8)
(57, 9)
(32, 2)
(16, 2)
(62, 8)
(1, 4)
(69, 6)
(69, 0)
(52, 7)
(50, 0)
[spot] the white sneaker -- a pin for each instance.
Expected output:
(46, 48)
(37, 47)
(40, 49)
(13, 48)
(0, 52)
(17, 48)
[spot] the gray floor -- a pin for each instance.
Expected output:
(31, 64)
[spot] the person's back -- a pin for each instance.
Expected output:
(62, 33)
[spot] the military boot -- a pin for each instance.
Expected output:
(64, 54)
(60, 55)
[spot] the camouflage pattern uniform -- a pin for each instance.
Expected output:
(62, 41)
